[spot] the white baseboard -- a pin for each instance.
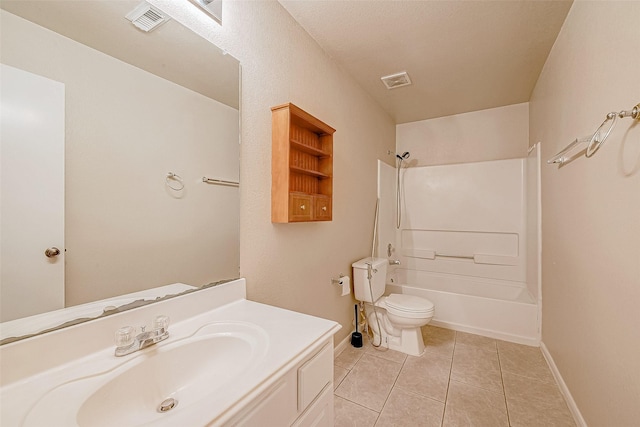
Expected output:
(518, 339)
(577, 416)
(341, 346)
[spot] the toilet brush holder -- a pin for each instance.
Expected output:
(356, 337)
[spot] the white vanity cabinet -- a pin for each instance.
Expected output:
(302, 397)
(227, 362)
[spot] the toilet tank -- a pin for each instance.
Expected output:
(378, 278)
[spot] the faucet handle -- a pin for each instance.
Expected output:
(161, 322)
(125, 336)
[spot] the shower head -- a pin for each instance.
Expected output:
(404, 155)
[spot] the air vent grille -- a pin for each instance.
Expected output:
(396, 80)
(146, 17)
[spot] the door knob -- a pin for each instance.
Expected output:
(52, 252)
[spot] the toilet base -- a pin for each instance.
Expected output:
(405, 340)
(410, 342)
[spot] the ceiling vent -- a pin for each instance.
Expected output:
(396, 80)
(146, 17)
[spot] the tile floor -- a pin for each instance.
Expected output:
(460, 380)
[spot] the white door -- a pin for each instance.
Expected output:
(31, 194)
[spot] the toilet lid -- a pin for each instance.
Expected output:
(409, 303)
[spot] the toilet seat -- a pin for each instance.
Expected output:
(409, 306)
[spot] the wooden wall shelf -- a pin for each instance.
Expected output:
(301, 166)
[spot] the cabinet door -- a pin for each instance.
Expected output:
(277, 407)
(320, 413)
(322, 208)
(300, 207)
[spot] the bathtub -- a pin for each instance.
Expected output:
(494, 308)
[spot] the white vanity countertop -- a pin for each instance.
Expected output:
(290, 337)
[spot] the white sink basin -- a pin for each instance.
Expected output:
(187, 370)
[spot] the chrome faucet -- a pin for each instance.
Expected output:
(394, 262)
(127, 342)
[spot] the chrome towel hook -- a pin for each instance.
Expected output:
(174, 181)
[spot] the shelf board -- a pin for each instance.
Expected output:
(309, 172)
(304, 193)
(308, 149)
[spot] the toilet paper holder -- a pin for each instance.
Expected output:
(337, 281)
(344, 282)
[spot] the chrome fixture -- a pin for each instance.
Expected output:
(394, 262)
(174, 181)
(594, 141)
(220, 182)
(370, 271)
(390, 250)
(401, 158)
(52, 252)
(127, 342)
(167, 404)
(337, 281)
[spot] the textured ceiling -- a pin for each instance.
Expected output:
(171, 51)
(461, 55)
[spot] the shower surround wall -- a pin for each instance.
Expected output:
(475, 214)
(469, 190)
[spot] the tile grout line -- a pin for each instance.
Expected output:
(373, 354)
(391, 390)
(349, 400)
(446, 396)
(504, 391)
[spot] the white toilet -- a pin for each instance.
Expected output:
(400, 316)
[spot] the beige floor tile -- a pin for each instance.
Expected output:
(472, 406)
(338, 375)
(439, 340)
(467, 370)
(349, 357)
(427, 375)
(476, 341)
(369, 382)
(404, 408)
(537, 413)
(529, 389)
(384, 352)
(476, 367)
(348, 414)
(524, 360)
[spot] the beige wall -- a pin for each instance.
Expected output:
(591, 211)
(291, 265)
(125, 129)
(493, 134)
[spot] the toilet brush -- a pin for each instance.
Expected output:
(356, 337)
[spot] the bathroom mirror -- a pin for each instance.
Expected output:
(147, 174)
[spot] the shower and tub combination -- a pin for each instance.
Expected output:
(465, 237)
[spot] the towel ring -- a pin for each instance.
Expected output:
(174, 181)
(596, 141)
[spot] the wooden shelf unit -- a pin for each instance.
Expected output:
(301, 166)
